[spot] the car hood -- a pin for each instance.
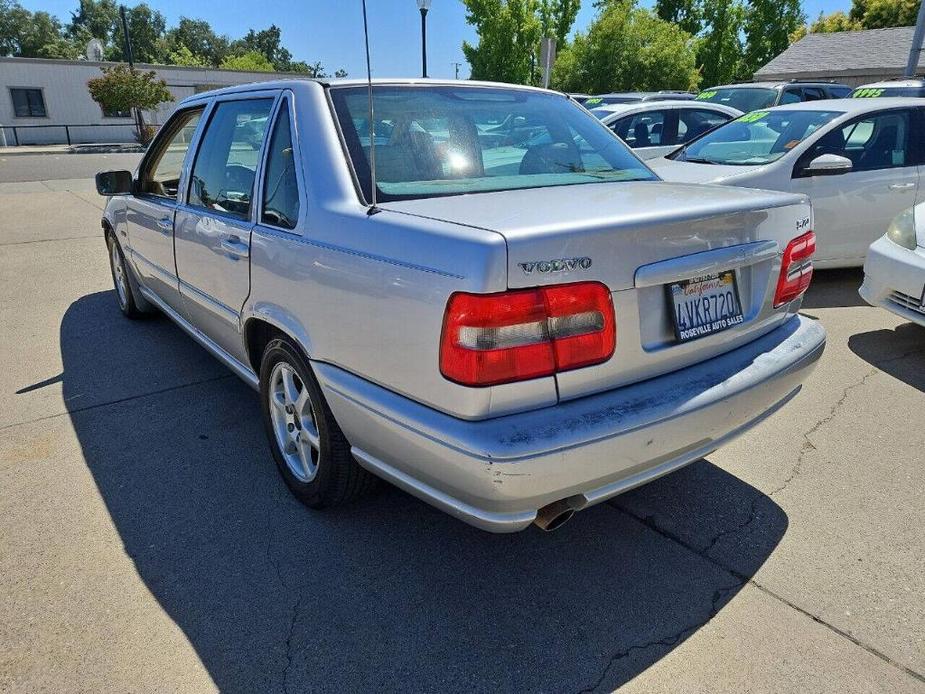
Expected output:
(621, 226)
(691, 172)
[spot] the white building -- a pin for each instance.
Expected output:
(53, 94)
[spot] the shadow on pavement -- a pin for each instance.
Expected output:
(386, 593)
(899, 352)
(835, 289)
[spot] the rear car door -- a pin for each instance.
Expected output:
(854, 208)
(150, 211)
(649, 133)
(213, 227)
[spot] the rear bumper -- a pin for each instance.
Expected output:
(496, 473)
(894, 279)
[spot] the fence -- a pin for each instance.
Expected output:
(70, 131)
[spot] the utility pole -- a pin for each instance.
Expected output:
(912, 66)
(456, 65)
(127, 45)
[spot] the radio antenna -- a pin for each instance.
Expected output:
(372, 124)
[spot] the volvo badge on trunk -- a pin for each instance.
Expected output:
(557, 265)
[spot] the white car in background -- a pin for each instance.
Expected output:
(894, 273)
(655, 128)
(857, 159)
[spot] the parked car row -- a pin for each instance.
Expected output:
(476, 291)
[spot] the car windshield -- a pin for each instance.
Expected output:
(874, 92)
(743, 98)
(601, 113)
(756, 138)
(596, 101)
(449, 140)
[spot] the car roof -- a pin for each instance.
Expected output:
(774, 85)
(908, 82)
(850, 105)
(379, 81)
(642, 106)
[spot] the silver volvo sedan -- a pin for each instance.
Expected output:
(474, 291)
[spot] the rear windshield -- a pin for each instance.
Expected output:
(596, 101)
(756, 138)
(874, 92)
(448, 140)
(743, 98)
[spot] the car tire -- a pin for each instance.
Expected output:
(309, 448)
(129, 303)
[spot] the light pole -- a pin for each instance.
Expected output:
(423, 6)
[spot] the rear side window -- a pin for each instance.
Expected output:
(226, 164)
(280, 185)
(642, 130)
(160, 175)
(695, 122)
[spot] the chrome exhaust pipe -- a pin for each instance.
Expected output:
(553, 516)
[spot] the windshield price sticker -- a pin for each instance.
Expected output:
(867, 93)
(706, 95)
(705, 305)
(753, 117)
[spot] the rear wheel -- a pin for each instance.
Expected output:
(120, 279)
(310, 450)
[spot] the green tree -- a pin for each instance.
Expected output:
(767, 27)
(719, 50)
(32, 35)
(628, 48)
(509, 32)
(826, 24)
(687, 14)
(881, 14)
(127, 89)
(94, 19)
(557, 18)
(184, 56)
(252, 61)
(147, 28)
(266, 42)
(198, 36)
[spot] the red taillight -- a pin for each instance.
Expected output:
(796, 269)
(526, 333)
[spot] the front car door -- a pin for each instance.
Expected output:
(213, 227)
(150, 211)
(853, 209)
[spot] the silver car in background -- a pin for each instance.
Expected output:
(512, 319)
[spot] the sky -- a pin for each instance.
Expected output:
(331, 31)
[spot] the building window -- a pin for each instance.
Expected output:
(28, 103)
(108, 113)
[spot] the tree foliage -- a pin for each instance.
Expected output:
(509, 32)
(767, 26)
(122, 89)
(192, 42)
(557, 18)
(864, 14)
(687, 14)
(252, 61)
(720, 50)
(627, 48)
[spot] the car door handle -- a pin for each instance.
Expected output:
(235, 247)
(165, 224)
(901, 186)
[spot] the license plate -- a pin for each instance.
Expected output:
(704, 305)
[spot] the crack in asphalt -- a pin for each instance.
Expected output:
(808, 445)
(295, 610)
(671, 640)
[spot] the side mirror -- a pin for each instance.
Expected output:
(829, 165)
(114, 183)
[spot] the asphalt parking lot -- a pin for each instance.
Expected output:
(147, 542)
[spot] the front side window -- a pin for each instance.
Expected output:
(451, 140)
(226, 163)
(877, 141)
(160, 174)
(791, 96)
(642, 130)
(28, 103)
(280, 185)
(756, 138)
(743, 98)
